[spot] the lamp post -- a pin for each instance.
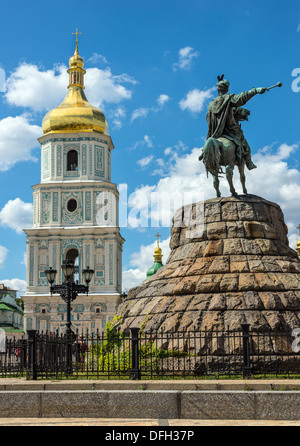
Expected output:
(68, 291)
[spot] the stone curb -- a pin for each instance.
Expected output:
(137, 404)
(10, 384)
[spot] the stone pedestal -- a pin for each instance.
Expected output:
(230, 263)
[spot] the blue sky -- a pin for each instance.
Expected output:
(152, 67)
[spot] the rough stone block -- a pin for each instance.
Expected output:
(229, 212)
(269, 230)
(20, 404)
(239, 266)
(212, 212)
(271, 301)
(253, 229)
(110, 404)
(245, 211)
(235, 229)
(276, 405)
(234, 301)
(232, 246)
(186, 285)
(216, 231)
(247, 281)
(209, 283)
(213, 248)
(230, 282)
(218, 302)
(252, 300)
(199, 302)
(219, 265)
(212, 320)
(218, 405)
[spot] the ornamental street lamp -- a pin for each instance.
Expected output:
(68, 291)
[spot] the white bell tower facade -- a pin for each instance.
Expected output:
(75, 215)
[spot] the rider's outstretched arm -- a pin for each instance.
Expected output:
(240, 99)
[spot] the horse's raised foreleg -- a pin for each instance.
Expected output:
(229, 176)
(243, 176)
(216, 185)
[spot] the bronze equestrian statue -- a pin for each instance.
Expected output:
(225, 144)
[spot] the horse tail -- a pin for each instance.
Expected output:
(212, 156)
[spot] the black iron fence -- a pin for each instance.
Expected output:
(138, 354)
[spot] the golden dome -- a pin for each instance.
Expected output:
(75, 113)
(157, 251)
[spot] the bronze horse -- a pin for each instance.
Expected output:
(218, 152)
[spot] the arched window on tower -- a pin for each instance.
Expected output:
(72, 160)
(73, 255)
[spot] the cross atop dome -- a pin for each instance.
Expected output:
(77, 33)
(158, 235)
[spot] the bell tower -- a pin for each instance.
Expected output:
(75, 214)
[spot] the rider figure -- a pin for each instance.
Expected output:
(223, 120)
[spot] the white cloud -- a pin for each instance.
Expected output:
(31, 87)
(24, 260)
(118, 116)
(18, 138)
(16, 215)
(104, 87)
(143, 112)
(3, 255)
(184, 181)
(97, 58)
(148, 141)
(185, 59)
(145, 142)
(132, 277)
(141, 261)
(195, 100)
(281, 185)
(145, 161)
(163, 99)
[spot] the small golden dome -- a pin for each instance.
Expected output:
(76, 61)
(157, 251)
(75, 113)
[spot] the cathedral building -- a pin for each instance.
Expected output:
(75, 214)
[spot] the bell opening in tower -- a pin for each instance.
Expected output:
(72, 160)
